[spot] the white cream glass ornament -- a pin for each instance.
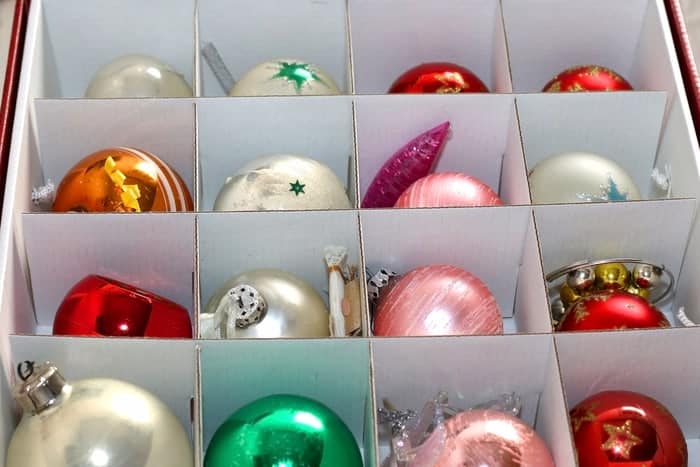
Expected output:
(93, 423)
(285, 77)
(266, 303)
(132, 76)
(580, 177)
(282, 182)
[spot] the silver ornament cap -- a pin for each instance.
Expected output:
(40, 388)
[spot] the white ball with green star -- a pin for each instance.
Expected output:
(282, 182)
(285, 77)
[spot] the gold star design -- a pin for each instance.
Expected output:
(582, 415)
(556, 87)
(580, 311)
(452, 83)
(576, 87)
(594, 71)
(621, 439)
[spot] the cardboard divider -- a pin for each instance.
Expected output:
(546, 37)
(483, 141)
(232, 132)
(623, 127)
(390, 37)
(163, 127)
(678, 155)
(79, 36)
(488, 242)
(312, 31)
(659, 364)
(153, 252)
(233, 243)
(165, 368)
(409, 372)
(335, 373)
(571, 233)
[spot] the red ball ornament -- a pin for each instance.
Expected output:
(437, 300)
(623, 428)
(98, 306)
(448, 190)
(437, 78)
(484, 438)
(587, 78)
(611, 309)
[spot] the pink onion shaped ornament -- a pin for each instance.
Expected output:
(484, 438)
(448, 190)
(413, 161)
(437, 301)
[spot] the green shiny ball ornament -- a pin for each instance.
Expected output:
(283, 431)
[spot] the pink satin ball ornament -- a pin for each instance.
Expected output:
(437, 301)
(484, 438)
(450, 189)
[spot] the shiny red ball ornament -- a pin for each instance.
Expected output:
(587, 78)
(98, 306)
(437, 78)
(448, 190)
(611, 309)
(623, 428)
(484, 438)
(435, 301)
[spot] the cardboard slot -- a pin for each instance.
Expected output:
(637, 361)
(409, 372)
(163, 127)
(616, 230)
(152, 252)
(335, 373)
(233, 243)
(165, 368)
(77, 37)
(488, 242)
(390, 37)
(232, 132)
(483, 141)
(623, 127)
(312, 31)
(546, 37)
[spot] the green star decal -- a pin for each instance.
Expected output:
(297, 187)
(298, 73)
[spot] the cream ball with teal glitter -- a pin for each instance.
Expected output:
(282, 182)
(580, 177)
(285, 77)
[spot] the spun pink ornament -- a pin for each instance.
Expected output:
(413, 161)
(484, 437)
(437, 301)
(448, 190)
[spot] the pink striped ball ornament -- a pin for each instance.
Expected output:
(450, 189)
(437, 300)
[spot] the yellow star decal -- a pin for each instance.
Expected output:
(621, 440)
(130, 193)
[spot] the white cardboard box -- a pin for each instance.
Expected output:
(513, 45)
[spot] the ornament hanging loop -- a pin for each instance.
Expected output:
(661, 270)
(25, 370)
